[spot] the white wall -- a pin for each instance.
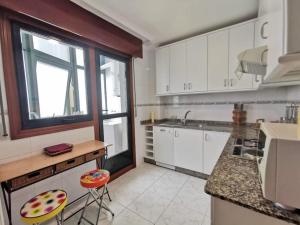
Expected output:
(146, 101)
(268, 104)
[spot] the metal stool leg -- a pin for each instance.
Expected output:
(108, 194)
(60, 221)
(85, 206)
(100, 202)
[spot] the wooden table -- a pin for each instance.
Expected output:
(27, 171)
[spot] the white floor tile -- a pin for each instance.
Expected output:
(150, 205)
(152, 195)
(127, 218)
(206, 221)
(178, 214)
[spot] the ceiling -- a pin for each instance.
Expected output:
(164, 21)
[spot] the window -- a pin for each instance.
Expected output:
(52, 79)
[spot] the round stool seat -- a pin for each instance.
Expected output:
(43, 206)
(95, 178)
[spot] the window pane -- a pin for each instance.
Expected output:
(114, 72)
(52, 88)
(116, 133)
(51, 47)
(79, 57)
(82, 92)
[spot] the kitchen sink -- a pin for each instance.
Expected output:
(180, 124)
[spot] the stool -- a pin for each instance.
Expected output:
(95, 180)
(44, 206)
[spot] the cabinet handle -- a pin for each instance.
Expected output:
(163, 130)
(262, 30)
(256, 79)
(225, 82)
(190, 86)
(231, 82)
(184, 86)
(206, 137)
(176, 134)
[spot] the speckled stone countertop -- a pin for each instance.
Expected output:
(234, 179)
(237, 180)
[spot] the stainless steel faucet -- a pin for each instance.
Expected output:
(185, 116)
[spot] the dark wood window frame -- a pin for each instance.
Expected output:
(11, 82)
(34, 56)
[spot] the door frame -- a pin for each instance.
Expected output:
(130, 106)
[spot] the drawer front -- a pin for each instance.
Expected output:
(69, 164)
(31, 178)
(94, 155)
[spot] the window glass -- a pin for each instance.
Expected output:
(82, 91)
(51, 47)
(52, 88)
(79, 57)
(114, 84)
(116, 134)
(55, 77)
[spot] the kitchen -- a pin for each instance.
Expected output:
(191, 115)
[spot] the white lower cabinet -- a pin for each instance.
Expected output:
(191, 149)
(213, 146)
(163, 144)
(188, 148)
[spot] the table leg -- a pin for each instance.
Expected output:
(7, 201)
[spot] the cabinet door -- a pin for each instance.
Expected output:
(178, 68)
(188, 147)
(261, 39)
(196, 60)
(240, 38)
(163, 139)
(218, 61)
(261, 31)
(162, 70)
(213, 146)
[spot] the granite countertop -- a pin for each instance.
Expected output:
(235, 179)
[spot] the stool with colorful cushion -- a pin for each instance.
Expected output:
(44, 207)
(94, 181)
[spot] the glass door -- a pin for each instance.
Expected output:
(114, 112)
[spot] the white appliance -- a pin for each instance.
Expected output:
(163, 138)
(279, 168)
(282, 41)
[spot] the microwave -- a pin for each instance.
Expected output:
(279, 168)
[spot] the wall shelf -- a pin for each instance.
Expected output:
(149, 150)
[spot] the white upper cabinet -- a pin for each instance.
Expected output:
(240, 39)
(261, 31)
(178, 67)
(218, 44)
(261, 39)
(196, 64)
(207, 63)
(162, 71)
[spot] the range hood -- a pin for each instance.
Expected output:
(279, 60)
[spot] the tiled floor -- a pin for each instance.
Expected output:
(154, 195)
